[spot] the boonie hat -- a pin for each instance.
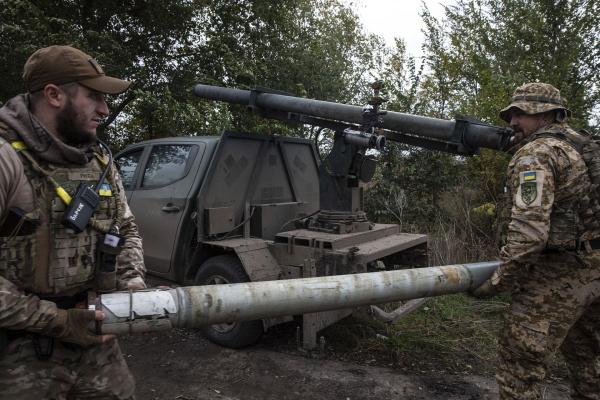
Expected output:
(65, 64)
(535, 98)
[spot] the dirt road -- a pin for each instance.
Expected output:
(181, 365)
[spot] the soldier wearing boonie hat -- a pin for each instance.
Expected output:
(535, 98)
(550, 257)
(48, 148)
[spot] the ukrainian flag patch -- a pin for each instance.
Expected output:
(530, 189)
(105, 190)
(529, 176)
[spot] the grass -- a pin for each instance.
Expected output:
(456, 330)
(450, 333)
(454, 333)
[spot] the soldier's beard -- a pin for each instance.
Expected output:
(69, 130)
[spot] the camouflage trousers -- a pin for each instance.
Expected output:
(556, 308)
(99, 372)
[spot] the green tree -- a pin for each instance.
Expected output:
(140, 40)
(312, 48)
(484, 49)
(167, 47)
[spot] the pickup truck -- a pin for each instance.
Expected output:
(238, 208)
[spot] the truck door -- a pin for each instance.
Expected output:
(161, 200)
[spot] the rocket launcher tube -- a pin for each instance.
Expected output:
(465, 132)
(194, 306)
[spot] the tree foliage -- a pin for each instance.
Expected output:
(139, 40)
(307, 47)
(484, 49)
(474, 57)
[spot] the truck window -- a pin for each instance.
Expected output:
(167, 164)
(127, 165)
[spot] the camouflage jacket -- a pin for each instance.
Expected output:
(21, 307)
(547, 180)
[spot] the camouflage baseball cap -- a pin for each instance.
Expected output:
(535, 98)
(65, 64)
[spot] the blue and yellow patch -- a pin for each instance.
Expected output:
(529, 176)
(105, 190)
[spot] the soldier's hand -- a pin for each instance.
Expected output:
(74, 325)
(485, 291)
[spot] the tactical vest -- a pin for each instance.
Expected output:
(53, 260)
(589, 149)
(573, 219)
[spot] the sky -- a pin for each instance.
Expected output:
(397, 18)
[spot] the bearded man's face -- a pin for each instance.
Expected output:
(78, 120)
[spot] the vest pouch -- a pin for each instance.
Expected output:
(563, 231)
(109, 247)
(106, 281)
(18, 259)
(589, 149)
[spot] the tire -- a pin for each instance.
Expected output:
(220, 270)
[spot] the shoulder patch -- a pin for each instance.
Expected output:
(531, 186)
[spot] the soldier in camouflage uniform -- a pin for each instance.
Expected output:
(48, 147)
(551, 258)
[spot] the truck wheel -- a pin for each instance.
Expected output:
(221, 270)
